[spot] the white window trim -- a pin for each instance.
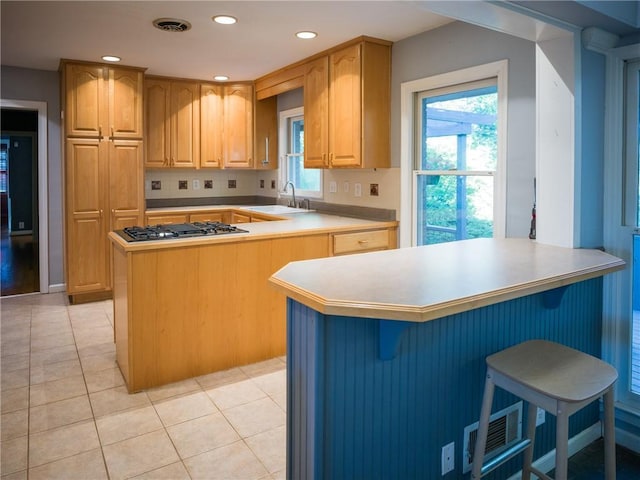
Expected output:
(408, 91)
(282, 155)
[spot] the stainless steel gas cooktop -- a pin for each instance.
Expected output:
(179, 230)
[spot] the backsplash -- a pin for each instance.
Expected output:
(379, 188)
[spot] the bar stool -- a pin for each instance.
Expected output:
(558, 379)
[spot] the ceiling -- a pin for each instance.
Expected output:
(37, 34)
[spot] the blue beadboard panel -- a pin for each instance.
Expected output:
(352, 415)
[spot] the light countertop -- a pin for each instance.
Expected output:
(287, 225)
(423, 283)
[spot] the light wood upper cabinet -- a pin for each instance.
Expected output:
(347, 107)
(125, 103)
(238, 126)
(85, 109)
(316, 114)
(211, 125)
(266, 134)
(172, 123)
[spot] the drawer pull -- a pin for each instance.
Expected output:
(363, 242)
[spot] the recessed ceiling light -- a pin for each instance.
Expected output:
(225, 19)
(111, 58)
(306, 35)
(221, 78)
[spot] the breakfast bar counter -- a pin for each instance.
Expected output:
(386, 349)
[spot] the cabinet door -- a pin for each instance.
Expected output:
(211, 105)
(166, 219)
(266, 134)
(86, 105)
(125, 103)
(345, 118)
(206, 217)
(126, 195)
(238, 126)
(156, 123)
(316, 114)
(86, 234)
(185, 124)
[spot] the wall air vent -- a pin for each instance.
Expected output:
(172, 24)
(505, 430)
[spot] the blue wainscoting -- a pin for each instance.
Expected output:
(353, 415)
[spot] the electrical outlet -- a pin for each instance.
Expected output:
(208, 184)
(20, 225)
(357, 189)
(333, 187)
(373, 189)
(231, 184)
(156, 185)
(448, 455)
(345, 187)
(196, 184)
(540, 416)
(182, 185)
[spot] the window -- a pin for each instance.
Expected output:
(456, 161)
(452, 149)
(307, 182)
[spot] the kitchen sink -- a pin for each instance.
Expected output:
(276, 209)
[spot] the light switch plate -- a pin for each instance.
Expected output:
(333, 187)
(357, 189)
(196, 184)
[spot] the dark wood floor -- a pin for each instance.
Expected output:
(20, 270)
(588, 463)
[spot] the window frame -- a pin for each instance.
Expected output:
(283, 152)
(408, 139)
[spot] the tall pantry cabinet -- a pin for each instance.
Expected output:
(103, 161)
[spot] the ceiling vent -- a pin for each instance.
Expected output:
(172, 24)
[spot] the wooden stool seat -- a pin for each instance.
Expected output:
(558, 379)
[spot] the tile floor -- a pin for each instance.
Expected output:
(67, 415)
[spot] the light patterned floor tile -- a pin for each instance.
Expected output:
(15, 379)
(117, 399)
(262, 368)
(95, 363)
(202, 434)
(48, 372)
(224, 377)
(14, 424)
(139, 455)
(132, 423)
(54, 355)
(175, 471)
(14, 454)
(181, 409)
(14, 399)
(52, 341)
(235, 394)
(58, 414)
(97, 349)
(62, 442)
(103, 379)
(173, 390)
(84, 466)
(231, 462)
(57, 390)
(255, 417)
(15, 362)
(272, 383)
(21, 475)
(270, 447)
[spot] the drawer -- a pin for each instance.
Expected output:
(206, 217)
(240, 218)
(166, 219)
(360, 241)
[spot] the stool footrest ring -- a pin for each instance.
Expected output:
(505, 456)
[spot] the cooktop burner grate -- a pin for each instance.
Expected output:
(162, 232)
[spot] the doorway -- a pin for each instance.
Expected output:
(20, 191)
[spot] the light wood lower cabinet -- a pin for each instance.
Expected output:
(212, 310)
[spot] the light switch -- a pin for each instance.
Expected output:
(357, 189)
(196, 184)
(333, 187)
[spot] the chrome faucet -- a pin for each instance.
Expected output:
(292, 203)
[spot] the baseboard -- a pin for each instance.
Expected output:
(57, 288)
(628, 440)
(547, 462)
(18, 233)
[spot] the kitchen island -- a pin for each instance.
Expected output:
(386, 350)
(191, 306)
